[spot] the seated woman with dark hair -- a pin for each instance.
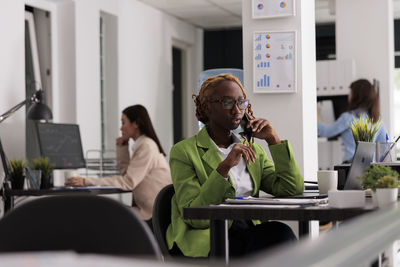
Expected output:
(216, 164)
(146, 172)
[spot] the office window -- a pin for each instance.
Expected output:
(325, 41)
(397, 104)
(397, 80)
(102, 121)
(109, 113)
(32, 80)
(177, 63)
(38, 68)
(397, 43)
(223, 49)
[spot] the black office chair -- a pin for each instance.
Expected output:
(162, 217)
(83, 223)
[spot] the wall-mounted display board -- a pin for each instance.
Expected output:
(272, 8)
(274, 62)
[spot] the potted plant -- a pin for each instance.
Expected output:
(373, 174)
(364, 130)
(46, 171)
(17, 167)
(386, 190)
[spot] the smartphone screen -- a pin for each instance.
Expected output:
(247, 132)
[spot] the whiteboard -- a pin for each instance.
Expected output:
(274, 62)
(272, 8)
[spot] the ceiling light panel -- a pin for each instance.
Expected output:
(206, 12)
(173, 4)
(228, 2)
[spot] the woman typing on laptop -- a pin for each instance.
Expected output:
(363, 102)
(146, 172)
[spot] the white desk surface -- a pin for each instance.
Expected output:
(69, 259)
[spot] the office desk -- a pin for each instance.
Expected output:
(219, 214)
(9, 194)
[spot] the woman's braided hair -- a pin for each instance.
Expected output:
(207, 90)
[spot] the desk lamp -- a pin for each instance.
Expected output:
(37, 111)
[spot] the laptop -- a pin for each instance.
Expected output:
(362, 159)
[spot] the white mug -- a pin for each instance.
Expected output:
(327, 181)
(70, 173)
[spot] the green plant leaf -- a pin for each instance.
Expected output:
(387, 182)
(17, 167)
(43, 164)
(374, 173)
(363, 129)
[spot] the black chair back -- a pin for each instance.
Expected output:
(162, 217)
(83, 223)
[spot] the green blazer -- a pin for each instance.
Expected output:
(193, 165)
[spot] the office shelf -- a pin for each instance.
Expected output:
(101, 163)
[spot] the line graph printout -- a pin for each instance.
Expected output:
(274, 62)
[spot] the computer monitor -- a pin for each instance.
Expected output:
(4, 163)
(339, 102)
(61, 144)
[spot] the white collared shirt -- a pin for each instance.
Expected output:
(239, 175)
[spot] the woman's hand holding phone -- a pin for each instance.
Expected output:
(247, 129)
(263, 129)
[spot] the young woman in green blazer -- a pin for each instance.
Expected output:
(215, 165)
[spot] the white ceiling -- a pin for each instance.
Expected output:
(212, 14)
(203, 13)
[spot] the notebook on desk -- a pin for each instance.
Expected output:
(362, 159)
(276, 201)
(310, 186)
(310, 195)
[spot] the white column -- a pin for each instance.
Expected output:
(12, 76)
(293, 115)
(364, 32)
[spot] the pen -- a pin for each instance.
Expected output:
(242, 198)
(39, 179)
(390, 148)
(32, 178)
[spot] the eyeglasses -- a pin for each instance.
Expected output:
(230, 103)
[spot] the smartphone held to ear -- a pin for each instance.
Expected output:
(247, 131)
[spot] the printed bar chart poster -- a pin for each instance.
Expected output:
(272, 8)
(274, 62)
